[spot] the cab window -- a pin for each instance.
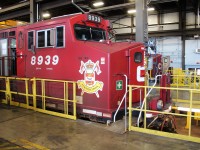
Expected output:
(30, 39)
(43, 38)
(83, 32)
(60, 36)
(40, 39)
(138, 57)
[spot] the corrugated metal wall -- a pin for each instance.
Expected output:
(171, 46)
(192, 59)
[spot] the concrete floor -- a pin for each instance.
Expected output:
(36, 131)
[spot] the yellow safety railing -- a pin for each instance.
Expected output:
(3, 87)
(18, 93)
(185, 126)
(40, 94)
(185, 78)
(46, 97)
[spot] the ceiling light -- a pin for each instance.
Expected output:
(150, 9)
(22, 1)
(0, 7)
(97, 4)
(19, 23)
(131, 11)
(46, 15)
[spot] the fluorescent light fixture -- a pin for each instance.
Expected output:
(22, 1)
(46, 15)
(19, 22)
(188, 109)
(131, 11)
(97, 4)
(196, 36)
(150, 9)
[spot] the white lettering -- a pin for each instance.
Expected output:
(40, 60)
(48, 60)
(33, 60)
(55, 60)
(139, 78)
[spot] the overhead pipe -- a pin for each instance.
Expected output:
(37, 12)
(78, 7)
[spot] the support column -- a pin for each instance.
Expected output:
(182, 27)
(33, 11)
(132, 24)
(183, 51)
(141, 21)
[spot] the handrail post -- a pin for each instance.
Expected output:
(34, 93)
(27, 98)
(130, 107)
(65, 87)
(8, 94)
(74, 99)
(126, 101)
(140, 97)
(195, 78)
(43, 94)
(145, 107)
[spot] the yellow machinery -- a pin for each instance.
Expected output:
(10, 23)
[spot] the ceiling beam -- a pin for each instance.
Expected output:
(161, 1)
(55, 4)
(187, 32)
(114, 7)
(15, 14)
(26, 11)
(16, 6)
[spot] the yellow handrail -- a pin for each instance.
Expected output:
(189, 116)
(30, 94)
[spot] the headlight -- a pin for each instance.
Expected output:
(159, 105)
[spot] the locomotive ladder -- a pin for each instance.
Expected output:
(141, 106)
(124, 98)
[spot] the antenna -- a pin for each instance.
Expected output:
(78, 7)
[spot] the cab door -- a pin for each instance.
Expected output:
(7, 57)
(4, 57)
(137, 71)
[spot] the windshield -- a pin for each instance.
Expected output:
(83, 32)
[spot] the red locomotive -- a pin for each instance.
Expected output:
(76, 48)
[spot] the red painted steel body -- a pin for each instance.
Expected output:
(157, 65)
(165, 93)
(94, 65)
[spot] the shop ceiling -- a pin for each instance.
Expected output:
(20, 9)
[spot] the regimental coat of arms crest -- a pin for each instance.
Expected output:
(90, 84)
